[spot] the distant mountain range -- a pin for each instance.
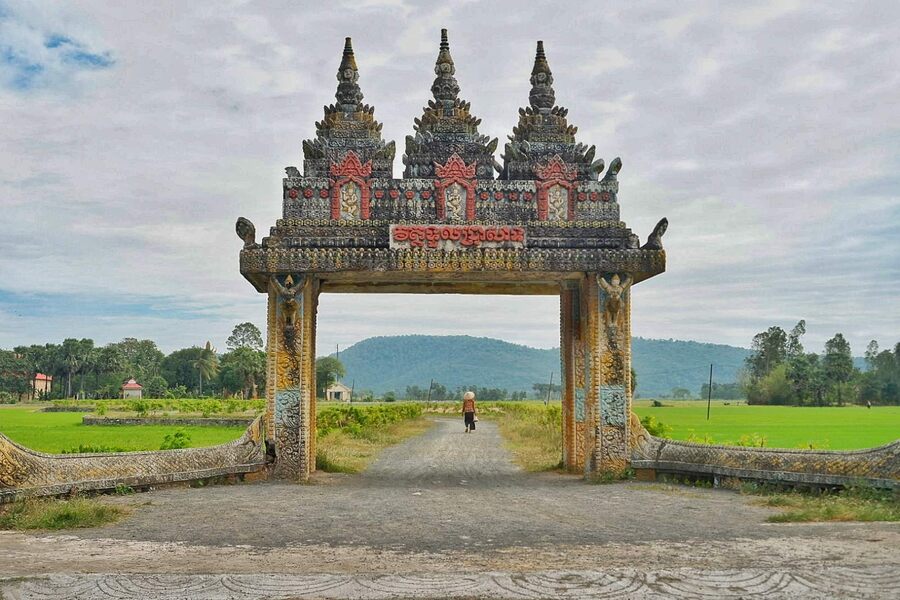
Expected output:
(382, 364)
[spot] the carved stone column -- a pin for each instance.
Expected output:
(609, 394)
(574, 376)
(290, 393)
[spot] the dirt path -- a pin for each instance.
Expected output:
(447, 503)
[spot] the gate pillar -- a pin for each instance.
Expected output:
(608, 307)
(291, 379)
(573, 353)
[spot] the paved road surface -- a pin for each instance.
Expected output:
(449, 514)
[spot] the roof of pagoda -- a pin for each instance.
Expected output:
(552, 212)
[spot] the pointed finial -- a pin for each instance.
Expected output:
(348, 95)
(445, 88)
(542, 96)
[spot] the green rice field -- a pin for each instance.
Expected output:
(833, 428)
(56, 432)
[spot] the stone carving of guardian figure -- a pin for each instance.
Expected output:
(288, 294)
(615, 297)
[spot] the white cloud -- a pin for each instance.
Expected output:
(605, 59)
(767, 134)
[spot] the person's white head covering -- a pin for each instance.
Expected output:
(469, 396)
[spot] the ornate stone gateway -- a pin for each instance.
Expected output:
(543, 222)
(548, 224)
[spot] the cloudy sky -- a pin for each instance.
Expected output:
(132, 134)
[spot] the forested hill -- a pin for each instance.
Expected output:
(381, 364)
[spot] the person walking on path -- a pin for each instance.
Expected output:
(469, 411)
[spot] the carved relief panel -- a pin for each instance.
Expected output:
(350, 201)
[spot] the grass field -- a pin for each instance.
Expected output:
(833, 428)
(56, 432)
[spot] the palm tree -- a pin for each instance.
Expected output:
(250, 364)
(207, 364)
(73, 355)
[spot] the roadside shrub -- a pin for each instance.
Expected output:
(357, 421)
(655, 427)
(124, 490)
(174, 441)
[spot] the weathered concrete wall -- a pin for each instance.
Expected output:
(26, 472)
(873, 466)
(173, 421)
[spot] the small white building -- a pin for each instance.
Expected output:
(132, 389)
(337, 392)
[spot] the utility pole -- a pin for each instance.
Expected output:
(431, 385)
(549, 388)
(352, 387)
(709, 392)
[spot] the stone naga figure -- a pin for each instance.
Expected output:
(615, 297)
(654, 241)
(288, 297)
(247, 232)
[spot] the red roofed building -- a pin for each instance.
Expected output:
(41, 385)
(132, 389)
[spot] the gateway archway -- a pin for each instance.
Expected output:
(549, 224)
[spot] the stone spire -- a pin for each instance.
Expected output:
(348, 94)
(542, 98)
(348, 125)
(447, 127)
(445, 88)
(544, 133)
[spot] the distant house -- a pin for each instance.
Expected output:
(132, 389)
(41, 385)
(337, 392)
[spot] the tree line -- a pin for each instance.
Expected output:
(780, 371)
(440, 392)
(82, 369)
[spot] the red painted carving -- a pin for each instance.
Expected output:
(350, 169)
(308, 193)
(582, 196)
(410, 194)
(498, 195)
(593, 196)
(467, 235)
(484, 195)
(293, 193)
(455, 171)
(426, 194)
(379, 194)
(605, 196)
(555, 172)
(556, 168)
(394, 194)
(455, 167)
(323, 193)
(514, 196)
(351, 166)
(528, 195)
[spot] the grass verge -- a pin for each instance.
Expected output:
(850, 504)
(340, 451)
(45, 513)
(531, 432)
